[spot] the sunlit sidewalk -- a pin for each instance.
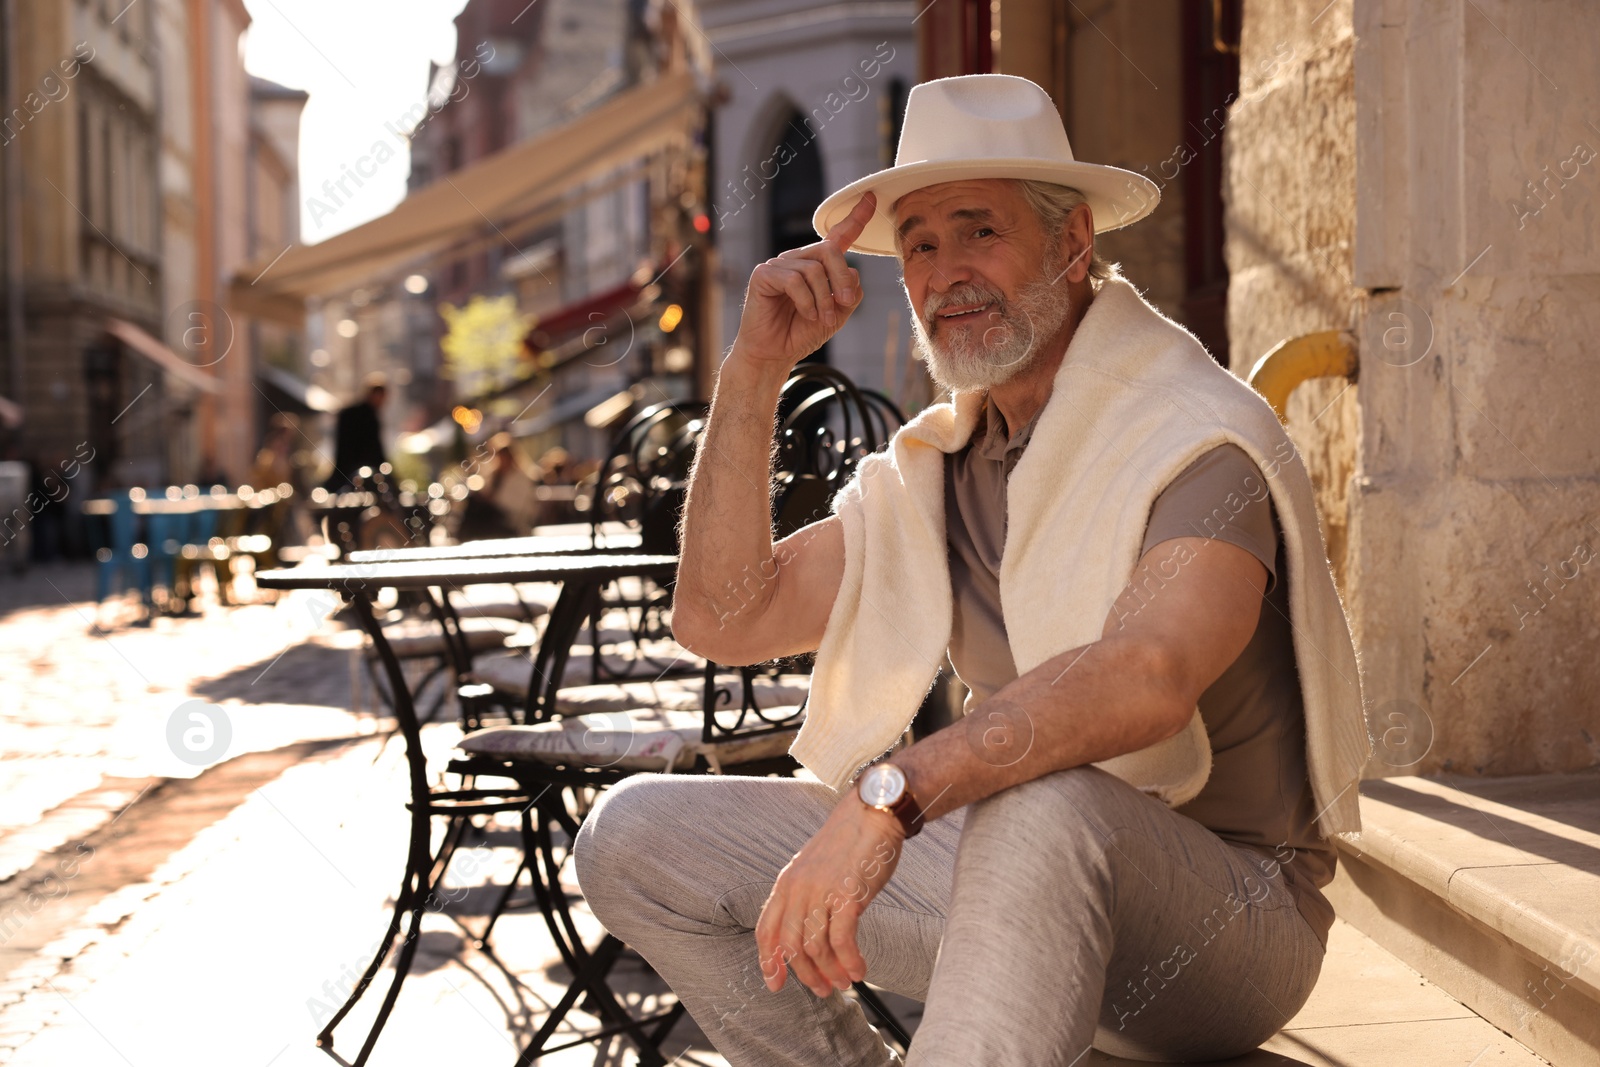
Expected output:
(156, 911)
(260, 923)
(271, 913)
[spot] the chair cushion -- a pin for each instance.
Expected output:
(644, 739)
(510, 672)
(415, 642)
(504, 609)
(677, 694)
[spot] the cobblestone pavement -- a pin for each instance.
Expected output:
(84, 705)
(159, 911)
(171, 911)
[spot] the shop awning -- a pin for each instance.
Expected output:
(424, 441)
(162, 356)
(303, 394)
(491, 199)
(562, 411)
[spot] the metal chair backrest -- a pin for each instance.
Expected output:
(827, 425)
(730, 714)
(645, 475)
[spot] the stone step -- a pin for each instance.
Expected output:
(1491, 889)
(1370, 1010)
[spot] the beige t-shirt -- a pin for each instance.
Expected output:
(1259, 793)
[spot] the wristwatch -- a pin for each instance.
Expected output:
(883, 786)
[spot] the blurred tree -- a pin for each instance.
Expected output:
(482, 343)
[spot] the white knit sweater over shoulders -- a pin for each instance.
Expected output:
(1135, 401)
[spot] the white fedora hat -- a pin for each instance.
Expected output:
(985, 126)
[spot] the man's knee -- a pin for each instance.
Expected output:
(1081, 804)
(620, 834)
(1084, 790)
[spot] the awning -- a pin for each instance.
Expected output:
(424, 441)
(311, 398)
(562, 411)
(162, 356)
(482, 201)
(571, 332)
(556, 326)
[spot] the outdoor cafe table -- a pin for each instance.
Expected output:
(581, 577)
(185, 505)
(536, 545)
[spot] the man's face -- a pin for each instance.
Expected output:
(986, 288)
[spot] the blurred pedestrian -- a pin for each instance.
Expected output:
(513, 484)
(275, 467)
(555, 464)
(507, 503)
(358, 436)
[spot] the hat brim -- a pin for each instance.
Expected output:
(1116, 197)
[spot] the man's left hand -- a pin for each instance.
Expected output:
(809, 920)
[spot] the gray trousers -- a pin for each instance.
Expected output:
(1066, 911)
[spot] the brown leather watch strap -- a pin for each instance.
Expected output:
(909, 812)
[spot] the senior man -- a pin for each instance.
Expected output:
(1124, 840)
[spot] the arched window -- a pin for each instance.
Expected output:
(794, 193)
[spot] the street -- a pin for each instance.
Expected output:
(155, 911)
(159, 908)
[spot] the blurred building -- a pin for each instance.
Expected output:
(557, 176)
(540, 69)
(810, 96)
(278, 350)
(141, 171)
(84, 246)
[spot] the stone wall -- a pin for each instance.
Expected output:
(1290, 190)
(1125, 76)
(1474, 539)
(1427, 174)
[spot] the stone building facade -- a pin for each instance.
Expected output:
(544, 68)
(83, 105)
(142, 170)
(1421, 174)
(809, 99)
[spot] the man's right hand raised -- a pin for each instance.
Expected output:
(799, 299)
(730, 604)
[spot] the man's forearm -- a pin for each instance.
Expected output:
(1085, 705)
(727, 562)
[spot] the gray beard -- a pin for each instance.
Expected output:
(1012, 336)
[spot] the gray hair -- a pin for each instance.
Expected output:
(1052, 204)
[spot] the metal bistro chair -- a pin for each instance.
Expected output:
(744, 723)
(561, 762)
(458, 807)
(826, 426)
(646, 473)
(642, 483)
(439, 651)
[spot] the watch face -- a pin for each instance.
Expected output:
(882, 785)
